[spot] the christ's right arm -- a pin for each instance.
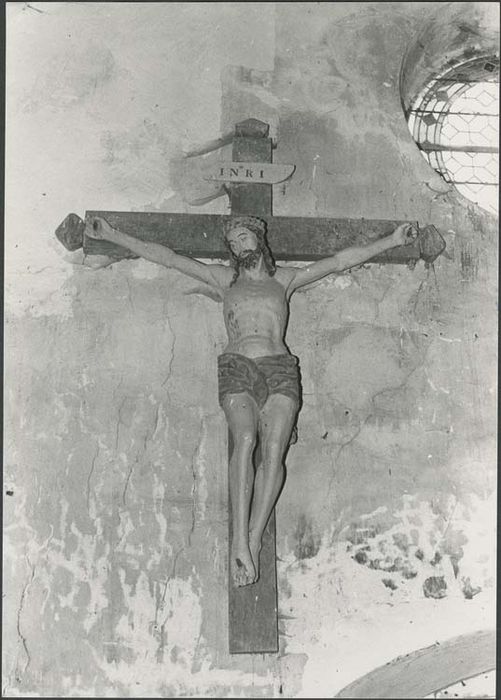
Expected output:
(215, 275)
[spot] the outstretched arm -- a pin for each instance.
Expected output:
(214, 275)
(349, 257)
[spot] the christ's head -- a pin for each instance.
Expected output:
(245, 238)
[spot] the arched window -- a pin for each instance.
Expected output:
(455, 123)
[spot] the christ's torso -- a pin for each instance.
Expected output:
(255, 314)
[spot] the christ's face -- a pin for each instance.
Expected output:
(242, 242)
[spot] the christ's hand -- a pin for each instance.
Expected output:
(404, 234)
(99, 228)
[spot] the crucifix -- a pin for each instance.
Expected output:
(259, 381)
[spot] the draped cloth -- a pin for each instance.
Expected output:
(260, 377)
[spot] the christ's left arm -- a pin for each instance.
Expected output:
(349, 257)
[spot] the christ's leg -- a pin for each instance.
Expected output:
(242, 417)
(276, 422)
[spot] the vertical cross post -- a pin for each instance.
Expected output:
(253, 623)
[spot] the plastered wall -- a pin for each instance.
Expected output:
(115, 525)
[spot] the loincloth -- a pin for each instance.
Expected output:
(260, 376)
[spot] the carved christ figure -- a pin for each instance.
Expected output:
(259, 381)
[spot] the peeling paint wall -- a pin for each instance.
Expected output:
(115, 532)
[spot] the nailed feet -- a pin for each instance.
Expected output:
(255, 549)
(242, 566)
(245, 561)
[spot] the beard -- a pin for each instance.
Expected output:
(249, 258)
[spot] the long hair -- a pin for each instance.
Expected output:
(258, 227)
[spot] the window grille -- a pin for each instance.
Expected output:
(455, 123)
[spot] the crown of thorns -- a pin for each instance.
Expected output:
(250, 222)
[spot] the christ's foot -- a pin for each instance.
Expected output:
(242, 568)
(255, 544)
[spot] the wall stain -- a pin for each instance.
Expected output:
(307, 541)
(468, 590)
(435, 587)
(390, 583)
(469, 262)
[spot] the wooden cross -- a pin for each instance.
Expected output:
(253, 620)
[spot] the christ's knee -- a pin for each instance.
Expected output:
(244, 442)
(273, 455)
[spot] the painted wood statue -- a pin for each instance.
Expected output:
(259, 379)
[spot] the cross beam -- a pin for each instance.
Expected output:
(290, 238)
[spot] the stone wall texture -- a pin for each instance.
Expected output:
(115, 470)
